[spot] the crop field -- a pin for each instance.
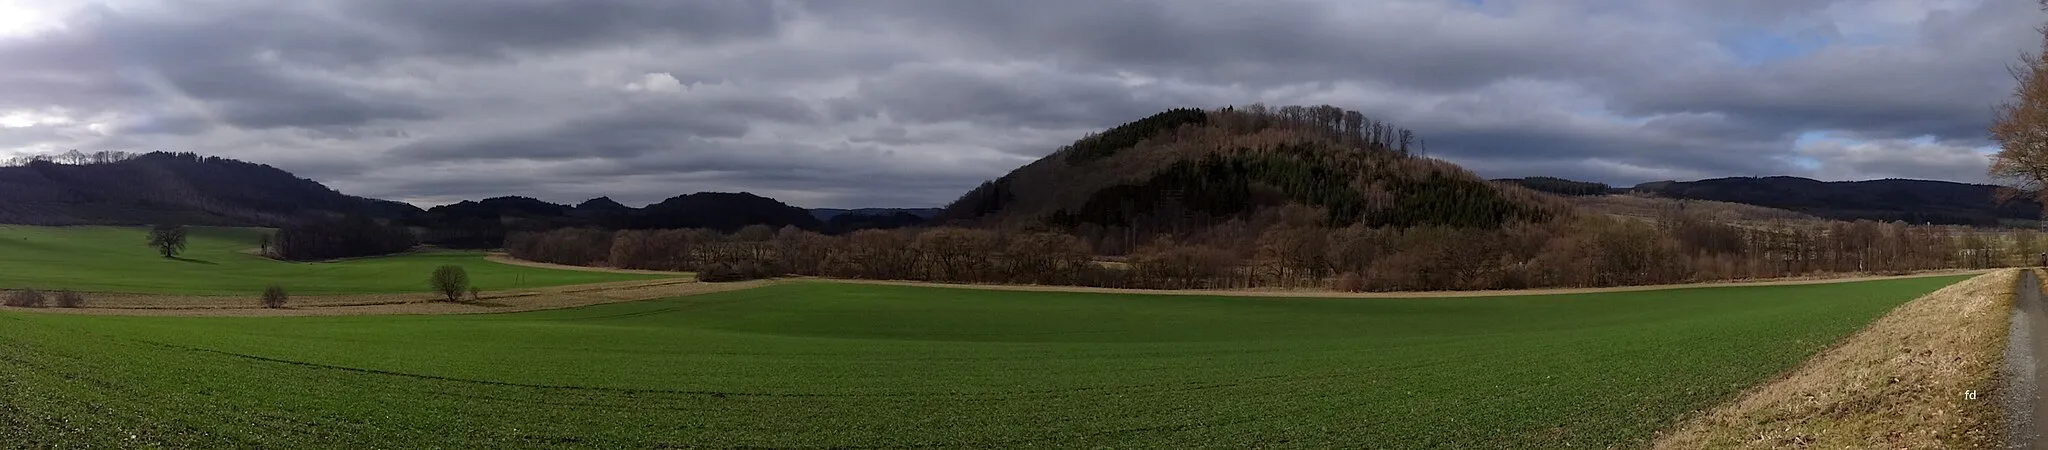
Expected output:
(820, 364)
(112, 259)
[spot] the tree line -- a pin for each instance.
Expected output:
(344, 237)
(73, 157)
(1293, 249)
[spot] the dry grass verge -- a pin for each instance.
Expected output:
(1900, 383)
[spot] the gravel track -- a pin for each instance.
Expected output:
(2024, 366)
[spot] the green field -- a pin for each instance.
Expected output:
(816, 364)
(110, 259)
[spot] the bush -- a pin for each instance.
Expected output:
(275, 297)
(69, 299)
(740, 271)
(476, 293)
(451, 281)
(25, 298)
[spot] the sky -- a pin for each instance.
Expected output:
(824, 103)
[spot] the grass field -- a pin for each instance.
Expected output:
(816, 364)
(109, 259)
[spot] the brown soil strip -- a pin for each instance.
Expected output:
(1922, 376)
(326, 305)
(1320, 293)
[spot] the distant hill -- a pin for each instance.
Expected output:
(172, 188)
(827, 214)
(499, 207)
(485, 223)
(602, 205)
(1912, 201)
(1185, 170)
(723, 211)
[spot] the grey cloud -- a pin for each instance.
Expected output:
(1942, 84)
(503, 29)
(1027, 97)
(1274, 42)
(910, 103)
(641, 127)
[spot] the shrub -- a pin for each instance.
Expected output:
(740, 271)
(275, 297)
(451, 281)
(25, 298)
(476, 293)
(69, 299)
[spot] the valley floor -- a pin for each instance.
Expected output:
(824, 364)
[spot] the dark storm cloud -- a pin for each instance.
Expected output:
(910, 103)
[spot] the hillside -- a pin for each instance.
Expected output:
(1185, 170)
(1912, 201)
(172, 188)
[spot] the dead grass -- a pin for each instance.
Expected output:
(1900, 383)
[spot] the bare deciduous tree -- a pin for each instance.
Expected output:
(2021, 129)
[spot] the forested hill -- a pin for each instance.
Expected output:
(131, 189)
(1186, 170)
(1911, 201)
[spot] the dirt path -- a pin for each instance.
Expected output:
(2026, 362)
(1314, 293)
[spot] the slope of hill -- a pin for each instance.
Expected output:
(172, 188)
(1187, 169)
(1912, 201)
(1652, 207)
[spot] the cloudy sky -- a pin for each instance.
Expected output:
(909, 103)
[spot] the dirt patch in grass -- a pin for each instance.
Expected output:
(322, 305)
(1903, 382)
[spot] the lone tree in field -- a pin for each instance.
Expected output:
(2021, 130)
(168, 239)
(450, 281)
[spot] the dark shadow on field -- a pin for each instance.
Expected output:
(190, 260)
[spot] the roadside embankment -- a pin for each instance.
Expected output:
(1922, 376)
